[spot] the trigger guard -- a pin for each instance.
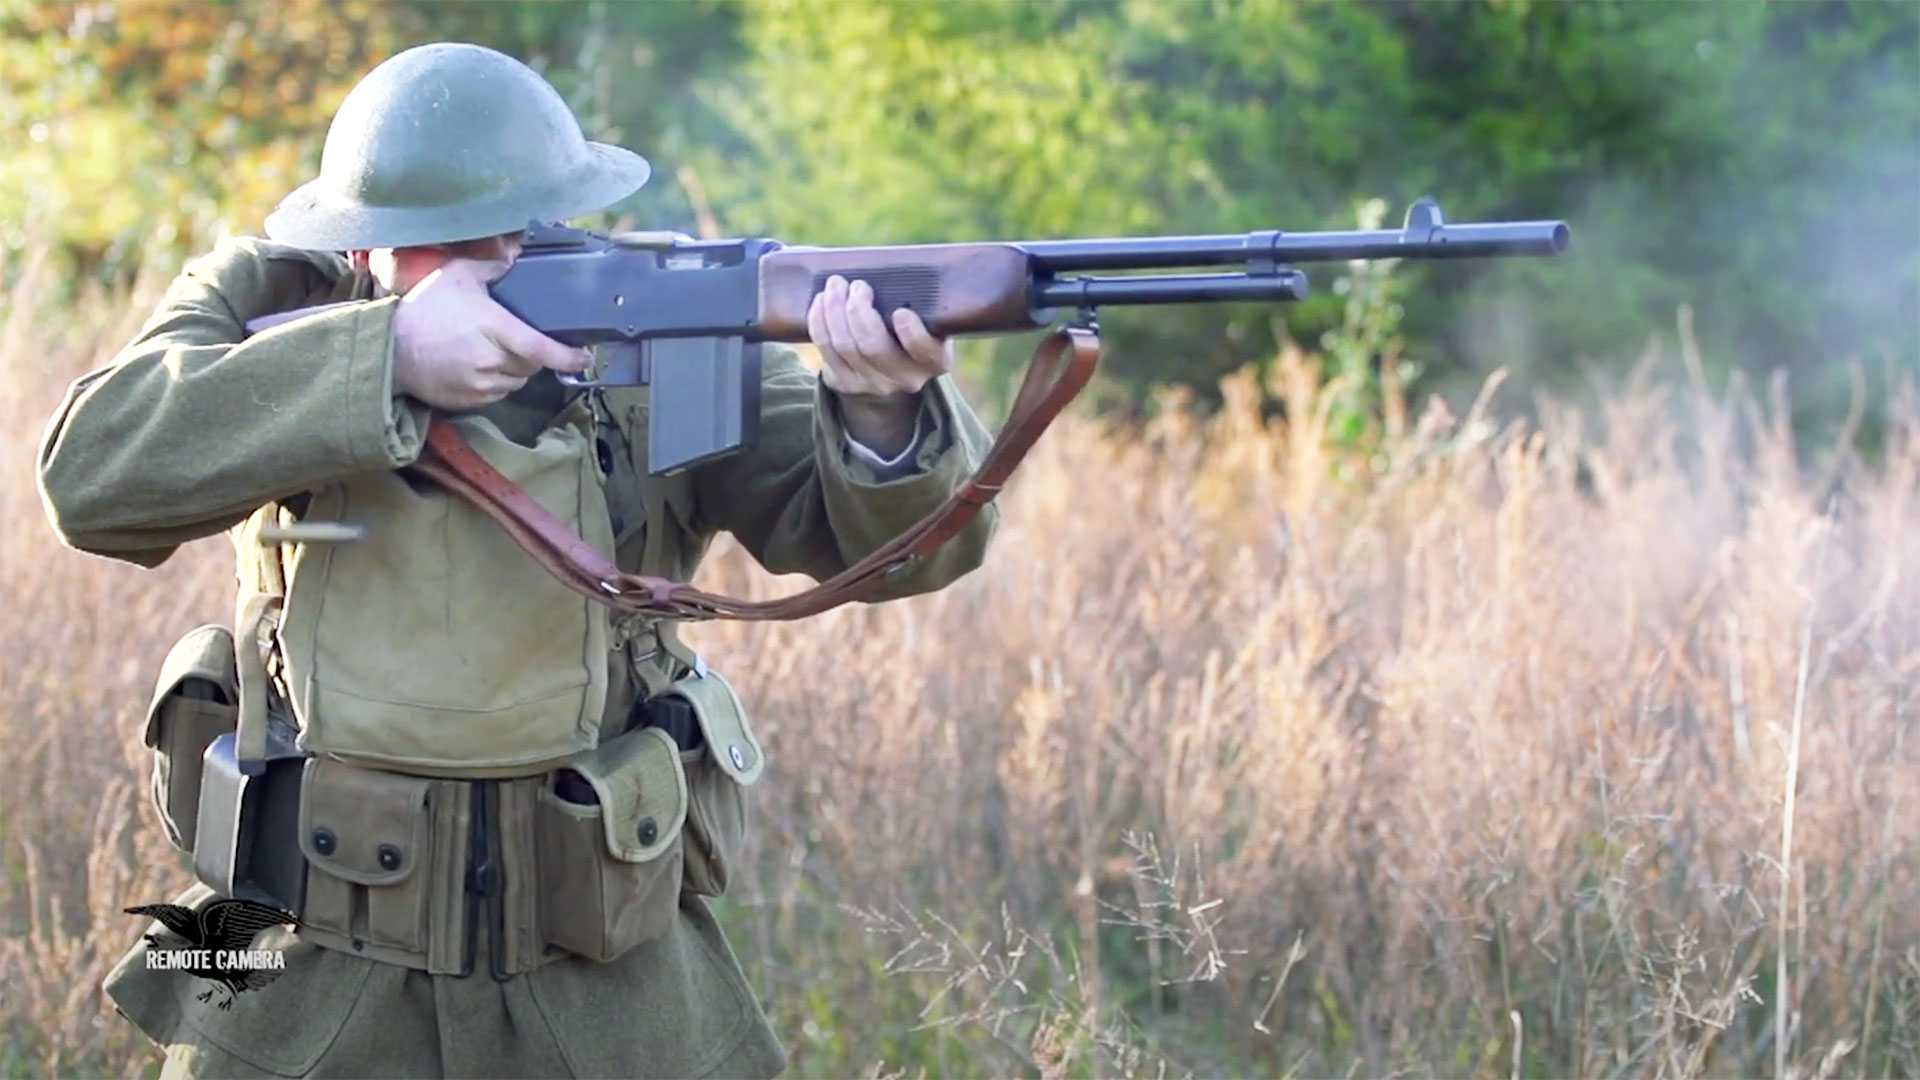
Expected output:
(621, 363)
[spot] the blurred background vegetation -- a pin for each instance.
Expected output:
(1477, 730)
(1756, 161)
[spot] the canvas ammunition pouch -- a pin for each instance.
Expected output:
(437, 874)
(727, 761)
(489, 666)
(610, 870)
(195, 700)
(233, 824)
(590, 859)
(443, 874)
(387, 862)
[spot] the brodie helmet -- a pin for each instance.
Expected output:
(449, 142)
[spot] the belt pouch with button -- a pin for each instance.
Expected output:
(723, 760)
(608, 845)
(386, 857)
(194, 702)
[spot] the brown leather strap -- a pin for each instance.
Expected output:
(1060, 368)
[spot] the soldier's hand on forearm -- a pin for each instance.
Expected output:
(877, 375)
(456, 348)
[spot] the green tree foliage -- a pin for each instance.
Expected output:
(130, 124)
(1757, 161)
(160, 124)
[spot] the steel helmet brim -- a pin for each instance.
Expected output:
(316, 218)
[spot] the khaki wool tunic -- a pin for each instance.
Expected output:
(193, 428)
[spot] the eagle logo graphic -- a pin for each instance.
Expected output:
(224, 926)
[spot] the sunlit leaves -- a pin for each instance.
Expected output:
(1755, 161)
(923, 121)
(159, 121)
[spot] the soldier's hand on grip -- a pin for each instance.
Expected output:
(456, 348)
(860, 358)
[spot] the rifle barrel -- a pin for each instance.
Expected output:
(1090, 292)
(1425, 236)
(1143, 252)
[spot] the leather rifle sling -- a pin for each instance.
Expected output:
(1060, 368)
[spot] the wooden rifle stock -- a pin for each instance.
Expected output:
(955, 288)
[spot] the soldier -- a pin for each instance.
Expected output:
(508, 839)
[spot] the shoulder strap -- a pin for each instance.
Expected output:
(1060, 368)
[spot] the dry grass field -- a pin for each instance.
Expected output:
(1578, 748)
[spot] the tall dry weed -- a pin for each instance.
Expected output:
(1246, 753)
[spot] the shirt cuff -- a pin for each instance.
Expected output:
(901, 464)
